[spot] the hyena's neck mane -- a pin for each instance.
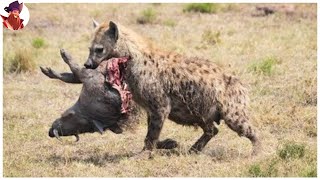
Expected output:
(134, 43)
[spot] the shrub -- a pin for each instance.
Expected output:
(255, 171)
(38, 42)
(147, 16)
(265, 67)
(202, 7)
(292, 150)
(23, 61)
(269, 169)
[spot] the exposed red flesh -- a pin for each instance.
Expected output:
(116, 79)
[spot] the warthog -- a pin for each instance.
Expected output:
(98, 107)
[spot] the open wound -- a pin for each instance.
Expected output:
(115, 76)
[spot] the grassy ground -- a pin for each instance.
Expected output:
(275, 55)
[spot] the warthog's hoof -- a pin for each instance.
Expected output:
(167, 144)
(49, 72)
(65, 56)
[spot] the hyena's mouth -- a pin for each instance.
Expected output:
(116, 68)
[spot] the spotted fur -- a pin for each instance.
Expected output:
(187, 90)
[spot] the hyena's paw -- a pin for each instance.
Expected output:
(193, 150)
(167, 144)
(65, 56)
(49, 72)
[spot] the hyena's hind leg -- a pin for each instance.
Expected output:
(238, 122)
(209, 130)
(208, 133)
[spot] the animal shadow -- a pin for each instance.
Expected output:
(95, 159)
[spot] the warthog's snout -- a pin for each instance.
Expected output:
(57, 129)
(51, 133)
(55, 133)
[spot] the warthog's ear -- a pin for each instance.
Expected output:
(95, 23)
(99, 126)
(68, 113)
(113, 31)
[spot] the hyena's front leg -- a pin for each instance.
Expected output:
(156, 115)
(155, 123)
(156, 118)
(164, 144)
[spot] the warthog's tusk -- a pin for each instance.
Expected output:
(77, 137)
(56, 134)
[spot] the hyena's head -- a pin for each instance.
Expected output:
(103, 44)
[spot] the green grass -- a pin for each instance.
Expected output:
(265, 66)
(38, 42)
(309, 172)
(268, 170)
(292, 150)
(291, 156)
(202, 7)
(147, 16)
(255, 171)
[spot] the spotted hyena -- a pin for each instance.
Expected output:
(188, 91)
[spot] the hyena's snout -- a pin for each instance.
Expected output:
(88, 64)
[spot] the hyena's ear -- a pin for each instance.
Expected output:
(113, 31)
(95, 23)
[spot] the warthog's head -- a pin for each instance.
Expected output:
(73, 123)
(103, 44)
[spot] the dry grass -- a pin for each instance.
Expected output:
(23, 61)
(147, 16)
(283, 102)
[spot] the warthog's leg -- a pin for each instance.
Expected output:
(65, 77)
(74, 67)
(208, 133)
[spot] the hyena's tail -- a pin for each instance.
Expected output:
(235, 113)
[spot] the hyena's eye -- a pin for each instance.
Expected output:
(98, 50)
